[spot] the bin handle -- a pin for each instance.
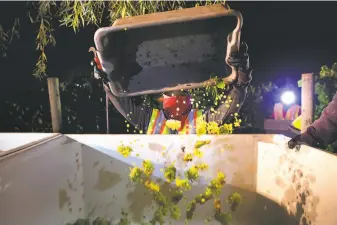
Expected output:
(233, 45)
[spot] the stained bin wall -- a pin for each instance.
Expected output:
(34, 184)
(68, 177)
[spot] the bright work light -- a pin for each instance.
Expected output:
(288, 97)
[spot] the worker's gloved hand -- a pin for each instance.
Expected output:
(239, 60)
(295, 142)
(304, 139)
(99, 74)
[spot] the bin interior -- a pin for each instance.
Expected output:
(83, 176)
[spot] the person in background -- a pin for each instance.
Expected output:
(177, 105)
(322, 132)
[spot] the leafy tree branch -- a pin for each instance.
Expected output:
(79, 14)
(325, 89)
(6, 38)
(45, 35)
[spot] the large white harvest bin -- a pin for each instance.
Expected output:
(54, 179)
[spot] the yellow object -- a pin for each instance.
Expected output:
(173, 124)
(124, 150)
(296, 125)
(158, 122)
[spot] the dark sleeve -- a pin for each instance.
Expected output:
(324, 129)
(235, 99)
(138, 116)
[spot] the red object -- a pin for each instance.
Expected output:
(176, 101)
(279, 113)
(98, 63)
(177, 105)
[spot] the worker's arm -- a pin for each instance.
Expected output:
(323, 131)
(138, 116)
(238, 91)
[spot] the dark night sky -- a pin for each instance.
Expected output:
(285, 39)
(289, 38)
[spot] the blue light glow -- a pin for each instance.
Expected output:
(288, 97)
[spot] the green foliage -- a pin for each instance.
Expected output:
(83, 108)
(3, 40)
(76, 14)
(234, 200)
(208, 95)
(325, 89)
(133, 8)
(6, 38)
(30, 117)
(44, 36)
